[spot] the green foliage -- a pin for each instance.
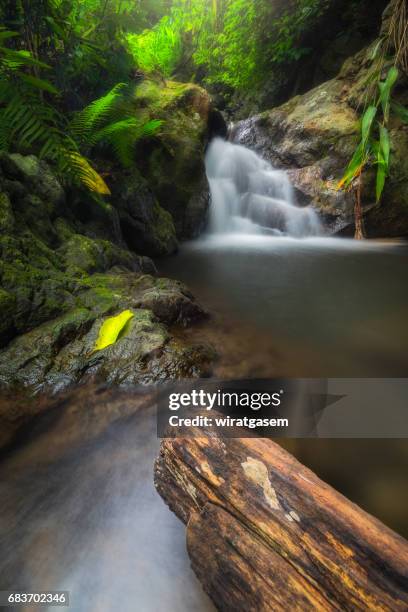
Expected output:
(57, 37)
(29, 122)
(385, 88)
(158, 49)
(235, 42)
(111, 120)
(375, 146)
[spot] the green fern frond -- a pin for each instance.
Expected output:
(94, 115)
(28, 121)
(111, 121)
(123, 135)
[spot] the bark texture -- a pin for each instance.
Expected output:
(265, 533)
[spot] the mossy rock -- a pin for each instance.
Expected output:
(61, 352)
(173, 162)
(35, 174)
(146, 227)
(7, 309)
(6, 214)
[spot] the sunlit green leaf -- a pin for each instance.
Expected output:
(385, 145)
(367, 122)
(380, 182)
(385, 88)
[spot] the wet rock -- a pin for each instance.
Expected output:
(61, 352)
(146, 227)
(35, 174)
(314, 136)
(6, 214)
(173, 162)
(82, 254)
(172, 303)
(7, 308)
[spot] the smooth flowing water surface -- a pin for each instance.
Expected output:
(79, 512)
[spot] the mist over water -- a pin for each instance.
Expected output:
(248, 196)
(84, 516)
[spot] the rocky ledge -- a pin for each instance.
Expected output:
(64, 269)
(314, 136)
(61, 351)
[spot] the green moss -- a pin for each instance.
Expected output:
(6, 214)
(81, 252)
(158, 96)
(7, 308)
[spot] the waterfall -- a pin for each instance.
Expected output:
(249, 196)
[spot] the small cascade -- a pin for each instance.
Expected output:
(249, 196)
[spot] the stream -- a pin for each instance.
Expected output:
(287, 299)
(326, 306)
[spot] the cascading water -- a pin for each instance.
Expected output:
(249, 196)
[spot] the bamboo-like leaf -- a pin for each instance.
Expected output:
(367, 122)
(380, 182)
(6, 34)
(355, 166)
(22, 57)
(385, 145)
(56, 28)
(385, 88)
(111, 328)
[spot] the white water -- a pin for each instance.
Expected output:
(248, 196)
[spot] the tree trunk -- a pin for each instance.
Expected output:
(265, 533)
(358, 213)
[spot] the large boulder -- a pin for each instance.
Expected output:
(45, 257)
(173, 161)
(146, 227)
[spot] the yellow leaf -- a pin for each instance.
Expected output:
(111, 328)
(88, 175)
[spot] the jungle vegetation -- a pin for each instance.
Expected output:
(69, 68)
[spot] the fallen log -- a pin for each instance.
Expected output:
(265, 533)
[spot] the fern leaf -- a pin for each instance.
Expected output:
(85, 173)
(93, 116)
